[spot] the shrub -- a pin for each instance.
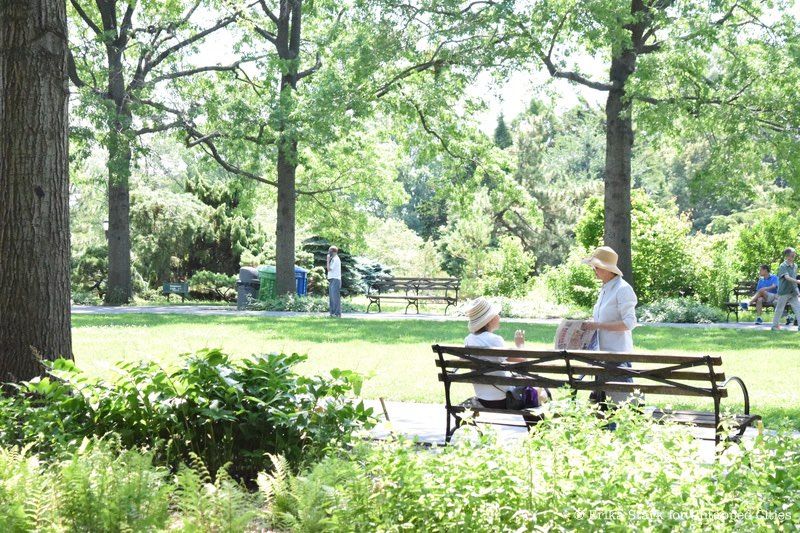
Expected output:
(763, 239)
(662, 262)
(317, 280)
(680, 310)
(568, 474)
(572, 283)
(89, 271)
(85, 298)
(508, 269)
(715, 273)
(213, 284)
(219, 409)
(298, 304)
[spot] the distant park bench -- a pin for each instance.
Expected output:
(668, 375)
(413, 291)
(741, 292)
(181, 289)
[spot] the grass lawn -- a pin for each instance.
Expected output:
(396, 357)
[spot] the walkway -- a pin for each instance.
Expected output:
(218, 310)
(425, 423)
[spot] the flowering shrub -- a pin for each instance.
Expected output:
(569, 474)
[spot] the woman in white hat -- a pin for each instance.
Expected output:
(615, 311)
(484, 320)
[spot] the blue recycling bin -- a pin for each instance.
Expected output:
(301, 280)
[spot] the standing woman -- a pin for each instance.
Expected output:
(615, 311)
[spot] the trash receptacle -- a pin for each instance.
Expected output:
(246, 287)
(266, 275)
(301, 280)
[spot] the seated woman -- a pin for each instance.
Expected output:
(484, 320)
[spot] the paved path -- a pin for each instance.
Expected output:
(425, 422)
(218, 310)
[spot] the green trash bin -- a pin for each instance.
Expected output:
(266, 275)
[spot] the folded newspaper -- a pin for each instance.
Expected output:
(571, 336)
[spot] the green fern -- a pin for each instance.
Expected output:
(219, 506)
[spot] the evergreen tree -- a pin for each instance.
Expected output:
(502, 137)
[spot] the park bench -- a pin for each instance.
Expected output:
(181, 289)
(653, 374)
(413, 291)
(742, 292)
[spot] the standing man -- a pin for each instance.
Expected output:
(334, 265)
(787, 287)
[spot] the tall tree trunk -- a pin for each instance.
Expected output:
(34, 187)
(619, 143)
(285, 230)
(287, 172)
(119, 172)
(119, 229)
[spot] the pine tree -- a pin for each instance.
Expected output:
(502, 137)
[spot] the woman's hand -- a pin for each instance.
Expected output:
(519, 338)
(590, 325)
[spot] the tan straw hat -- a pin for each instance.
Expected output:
(480, 312)
(605, 258)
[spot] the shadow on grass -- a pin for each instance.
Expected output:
(713, 340)
(322, 330)
(316, 329)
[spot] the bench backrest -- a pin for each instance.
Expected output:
(415, 286)
(674, 375)
(744, 288)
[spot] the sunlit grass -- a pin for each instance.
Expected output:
(396, 354)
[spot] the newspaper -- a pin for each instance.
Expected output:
(570, 336)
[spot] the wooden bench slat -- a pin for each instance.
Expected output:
(586, 370)
(614, 386)
(667, 375)
(596, 355)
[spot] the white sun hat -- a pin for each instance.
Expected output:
(480, 312)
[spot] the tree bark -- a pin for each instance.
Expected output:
(119, 289)
(34, 187)
(285, 229)
(619, 144)
(289, 25)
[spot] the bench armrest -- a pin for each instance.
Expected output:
(744, 392)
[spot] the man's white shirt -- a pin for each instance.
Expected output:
(335, 268)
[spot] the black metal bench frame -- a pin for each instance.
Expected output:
(559, 368)
(414, 290)
(744, 289)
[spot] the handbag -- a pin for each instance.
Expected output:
(526, 397)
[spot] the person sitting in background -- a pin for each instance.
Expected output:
(766, 292)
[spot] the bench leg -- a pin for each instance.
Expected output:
(370, 305)
(448, 434)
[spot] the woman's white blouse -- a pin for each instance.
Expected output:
(617, 302)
